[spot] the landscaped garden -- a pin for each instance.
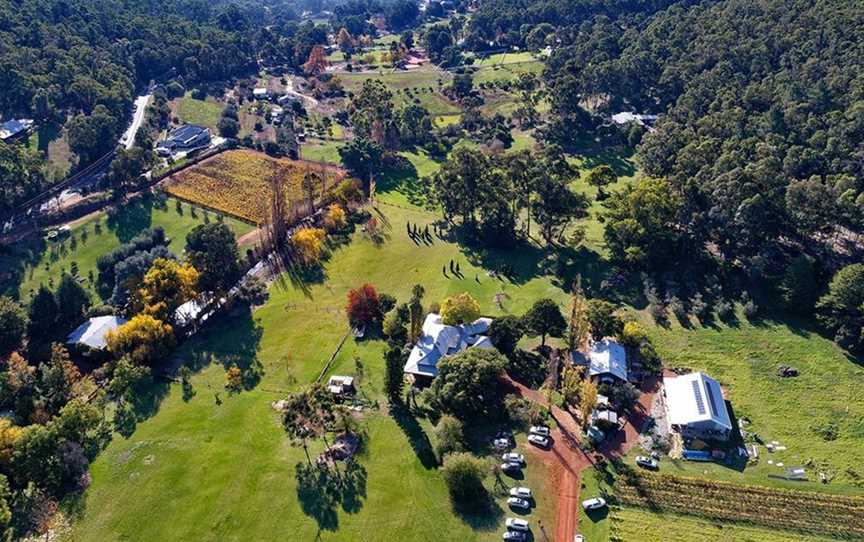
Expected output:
(43, 262)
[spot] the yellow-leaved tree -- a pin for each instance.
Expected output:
(166, 285)
(308, 244)
(460, 309)
(335, 218)
(144, 339)
(587, 401)
(10, 434)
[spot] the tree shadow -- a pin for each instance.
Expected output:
(232, 340)
(131, 218)
(401, 177)
(481, 514)
(322, 490)
(16, 259)
(417, 437)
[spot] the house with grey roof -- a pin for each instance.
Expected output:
(607, 361)
(15, 128)
(91, 334)
(184, 138)
(439, 340)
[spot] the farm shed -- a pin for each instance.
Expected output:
(695, 407)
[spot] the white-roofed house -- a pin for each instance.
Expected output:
(695, 407)
(438, 340)
(91, 334)
(607, 361)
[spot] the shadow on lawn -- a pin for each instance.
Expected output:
(131, 218)
(409, 425)
(322, 490)
(401, 176)
(233, 340)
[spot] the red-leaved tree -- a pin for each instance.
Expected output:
(363, 306)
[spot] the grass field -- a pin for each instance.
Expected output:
(744, 357)
(630, 524)
(237, 182)
(51, 141)
(419, 81)
(226, 472)
(321, 151)
(202, 112)
(40, 262)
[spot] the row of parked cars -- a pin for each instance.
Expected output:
(520, 497)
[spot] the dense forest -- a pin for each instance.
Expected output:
(762, 114)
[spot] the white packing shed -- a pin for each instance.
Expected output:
(607, 359)
(695, 407)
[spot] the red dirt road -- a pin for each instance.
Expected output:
(567, 460)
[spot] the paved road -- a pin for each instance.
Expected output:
(128, 138)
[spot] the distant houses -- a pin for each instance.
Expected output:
(15, 129)
(261, 93)
(183, 138)
(438, 340)
(695, 407)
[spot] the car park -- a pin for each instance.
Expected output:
(593, 504)
(539, 440)
(541, 430)
(521, 492)
(513, 457)
(647, 462)
(517, 524)
(516, 502)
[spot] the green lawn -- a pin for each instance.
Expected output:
(321, 151)
(419, 81)
(509, 70)
(226, 472)
(39, 262)
(202, 112)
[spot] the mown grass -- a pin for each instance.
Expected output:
(41, 262)
(202, 112)
(226, 472)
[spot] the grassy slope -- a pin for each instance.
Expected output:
(744, 357)
(115, 230)
(226, 472)
(203, 112)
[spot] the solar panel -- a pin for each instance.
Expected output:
(697, 392)
(711, 401)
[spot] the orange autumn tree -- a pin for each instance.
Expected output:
(364, 307)
(335, 218)
(317, 62)
(308, 244)
(167, 285)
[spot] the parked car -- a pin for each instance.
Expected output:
(578, 538)
(521, 492)
(540, 430)
(501, 443)
(516, 502)
(514, 536)
(593, 504)
(513, 457)
(517, 524)
(647, 462)
(510, 467)
(539, 440)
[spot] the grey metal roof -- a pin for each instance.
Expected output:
(92, 332)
